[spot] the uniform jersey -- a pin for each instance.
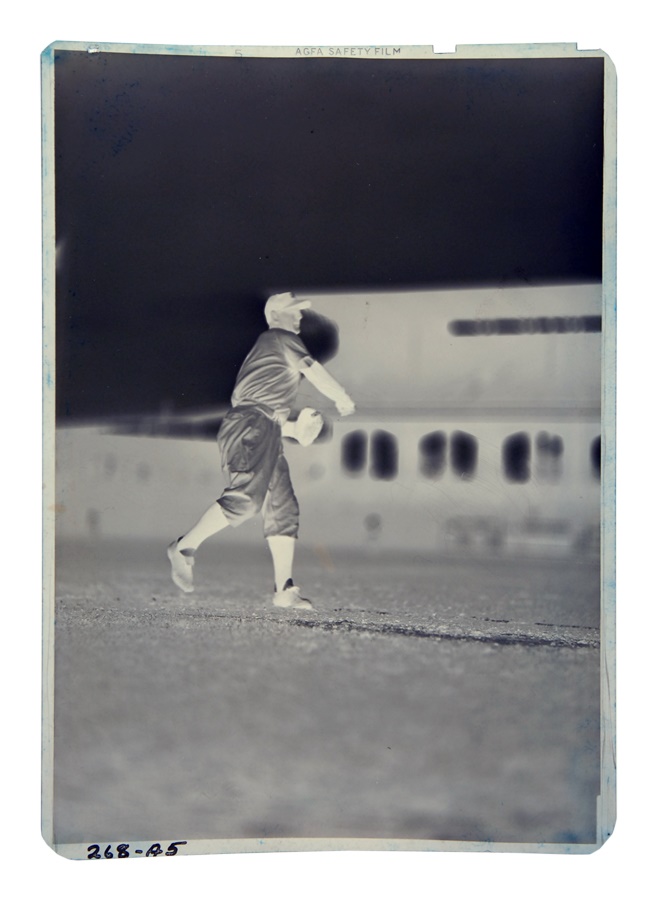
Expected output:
(250, 436)
(271, 372)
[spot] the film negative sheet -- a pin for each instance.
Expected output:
(329, 449)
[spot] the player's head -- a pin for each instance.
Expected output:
(284, 311)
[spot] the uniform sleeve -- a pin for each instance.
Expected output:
(296, 352)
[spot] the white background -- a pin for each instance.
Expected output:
(628, 36)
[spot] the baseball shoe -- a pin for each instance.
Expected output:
(290, 597)
(181, 562)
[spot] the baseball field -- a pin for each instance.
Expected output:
(451, 700)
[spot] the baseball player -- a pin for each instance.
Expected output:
(251, 446)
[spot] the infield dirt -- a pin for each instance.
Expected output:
(423, 699)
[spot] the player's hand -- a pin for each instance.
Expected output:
(346, 406)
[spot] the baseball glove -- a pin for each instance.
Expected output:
(308, 426)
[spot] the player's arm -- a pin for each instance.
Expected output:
(326, 384)
(289, 429)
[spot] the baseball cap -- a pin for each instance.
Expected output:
(278, 302)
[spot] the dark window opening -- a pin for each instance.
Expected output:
(354, 451)
(464, 454)
(517, 457)
(549, 453)
(143, 471)
(596, 457)
(384, 455)
(373, 526)
(536, 325)
(109, 465)
(432, 452)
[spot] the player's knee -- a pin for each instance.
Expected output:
(238, 509)
(279, 531)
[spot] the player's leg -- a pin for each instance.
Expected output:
(181, 552)
(210, 522)
(281, 528)
(281, 548)
(249, 445)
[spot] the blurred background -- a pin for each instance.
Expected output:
(477, 428)
(444, 216)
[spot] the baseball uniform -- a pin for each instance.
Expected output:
(250, 439)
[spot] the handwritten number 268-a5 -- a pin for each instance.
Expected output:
(123, 851)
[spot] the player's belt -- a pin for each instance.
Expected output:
(276, 415)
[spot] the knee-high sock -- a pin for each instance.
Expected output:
(282, 555)
(209, 523)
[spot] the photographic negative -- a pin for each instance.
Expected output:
(329, 449)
